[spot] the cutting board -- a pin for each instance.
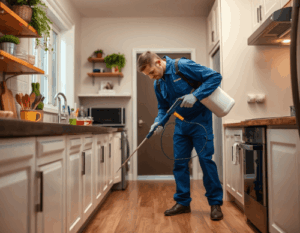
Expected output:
(7, 100)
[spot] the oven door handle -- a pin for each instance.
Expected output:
(250, 146)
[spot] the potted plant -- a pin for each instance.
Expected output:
(8, 43)
(23, 8)
(115, 62)
(38, 20)
(99, 53)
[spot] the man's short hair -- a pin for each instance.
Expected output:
(146, 58)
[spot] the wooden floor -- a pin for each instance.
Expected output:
(140, 208)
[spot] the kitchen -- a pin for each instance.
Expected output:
(53, 152)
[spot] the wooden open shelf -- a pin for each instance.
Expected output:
(106, 74)
(95, 59)
(12, 65)
(12, 24)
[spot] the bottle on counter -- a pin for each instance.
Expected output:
(72, 118)
(82, 113)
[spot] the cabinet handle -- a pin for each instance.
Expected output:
(257, 15)
(83, 154)
(212, 36)
(99, 151)
(39, 207)
(232, 153)
(237, 135)
(102, 160)
(260, 12)
(109, 150)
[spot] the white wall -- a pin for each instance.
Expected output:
(252, 69)
(114, 35)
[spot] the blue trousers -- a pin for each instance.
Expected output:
(186, 136)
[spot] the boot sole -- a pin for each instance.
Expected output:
(182, 212)
(215, 219)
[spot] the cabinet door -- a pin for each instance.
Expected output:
(209, 31)
(99, 169)
(228, 157)
(74, 184)
(50, 184)
(105, 162)
(268, 7)
(256, 14)
(87, 198)
(117, 158)
(283, 180)
(17, 171)
(215, 22)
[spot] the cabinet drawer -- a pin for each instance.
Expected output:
(50, 145)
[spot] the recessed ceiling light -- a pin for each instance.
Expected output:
(286, 41)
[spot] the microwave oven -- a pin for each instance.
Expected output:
(113, 117)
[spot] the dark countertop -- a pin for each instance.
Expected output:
(21, 128)
(287, 120)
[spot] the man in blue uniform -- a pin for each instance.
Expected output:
(186, 136)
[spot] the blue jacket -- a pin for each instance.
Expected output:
(173, 86)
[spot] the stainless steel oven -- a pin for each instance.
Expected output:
(255, 176)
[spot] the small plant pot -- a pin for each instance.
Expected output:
(9, 47)
(99, 55)
(25, 12)
(115, 69)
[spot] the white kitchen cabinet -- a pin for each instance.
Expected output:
(287, 3)
(17, 172)
(117, 158)
(99, 166)
(50, 184)
(283, 180)
(87, 177)
(234, 172)
(74, 183)
(110, 159)
(213, 26)
(262, 9)
(105, 163)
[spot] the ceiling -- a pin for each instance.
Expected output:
(143, 8)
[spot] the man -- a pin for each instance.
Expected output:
(186, 136)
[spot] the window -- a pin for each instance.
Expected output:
(49, 62)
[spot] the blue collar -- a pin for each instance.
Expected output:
(168, 65)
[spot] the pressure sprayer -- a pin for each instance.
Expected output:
(219, 102)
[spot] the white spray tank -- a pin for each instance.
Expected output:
(219, 102)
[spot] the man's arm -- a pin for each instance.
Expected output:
(163, 105)
(210, 79)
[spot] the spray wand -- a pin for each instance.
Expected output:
(161, 123)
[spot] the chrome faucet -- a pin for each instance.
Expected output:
(65, 116)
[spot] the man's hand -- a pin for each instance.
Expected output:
(158, 129)
(188, 101)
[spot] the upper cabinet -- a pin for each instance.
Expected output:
(213, 26)
(262, 9)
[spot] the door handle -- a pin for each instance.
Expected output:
(39, 207)
(83, 154)
(141, 122)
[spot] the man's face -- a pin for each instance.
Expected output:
(156, 71)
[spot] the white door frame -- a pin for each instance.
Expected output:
(197, 174)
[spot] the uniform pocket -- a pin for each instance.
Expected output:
(181, 86)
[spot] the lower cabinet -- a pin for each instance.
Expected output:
(17, 172)
(50, 185)
(117, 157)
(283, 180)
(234, 172)
(53, 184)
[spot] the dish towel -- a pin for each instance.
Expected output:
(235, 153)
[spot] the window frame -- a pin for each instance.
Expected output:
(49, 107)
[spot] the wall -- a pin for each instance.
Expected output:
(21, 83)
(114, 35)
(252, 69)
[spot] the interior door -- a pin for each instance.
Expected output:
(151, 160)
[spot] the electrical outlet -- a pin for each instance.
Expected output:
(260, 98)
(251, 98)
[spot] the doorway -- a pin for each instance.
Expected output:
(151, 160)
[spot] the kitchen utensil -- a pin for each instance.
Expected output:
(24, 101)
(7, 100)
(39, 100)
(19, 100)
(6, 114)
(32, 98)
(32, 115)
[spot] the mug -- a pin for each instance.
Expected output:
(32, 115)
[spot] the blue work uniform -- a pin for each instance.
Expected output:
(186, 136)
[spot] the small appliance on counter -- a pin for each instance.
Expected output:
(255, 176)
(112, 117)
(124, 155)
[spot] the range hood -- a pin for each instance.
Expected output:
(274, 30)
